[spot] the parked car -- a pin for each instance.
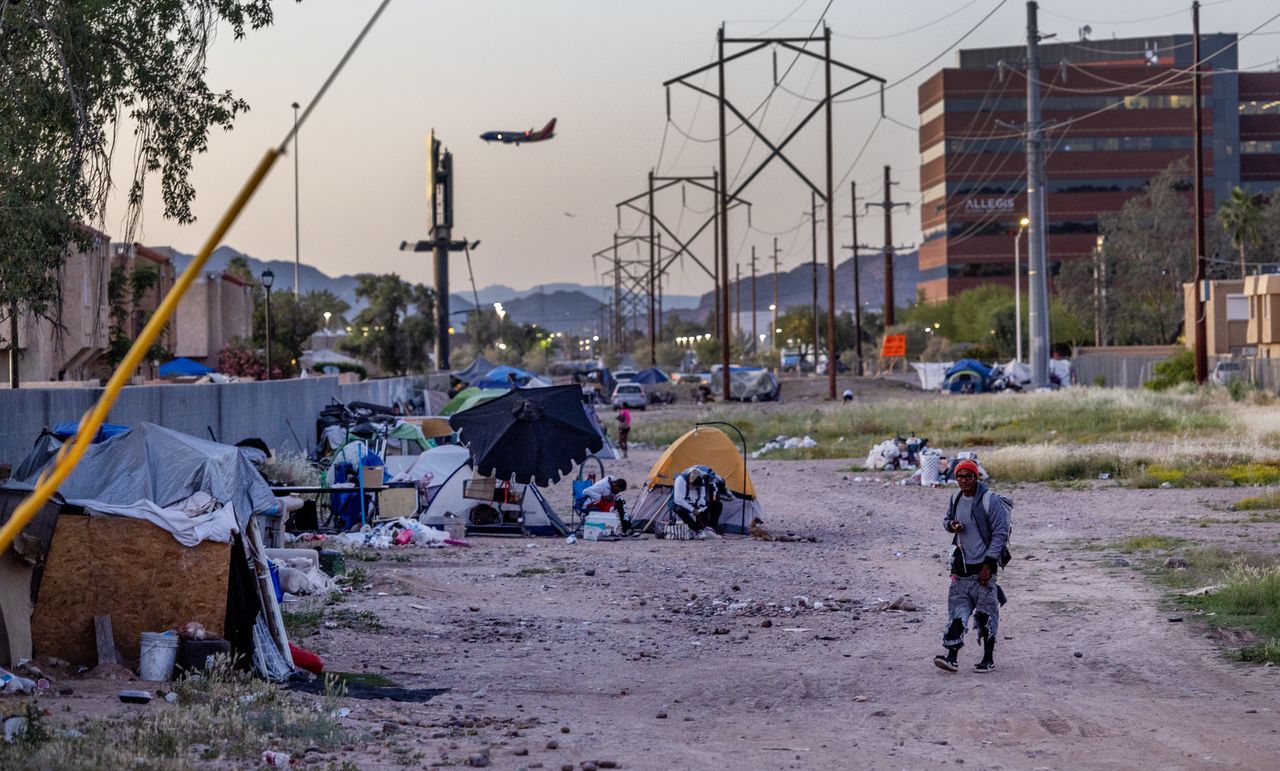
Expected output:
(1225, 371)
(624, 375)
(630, 395)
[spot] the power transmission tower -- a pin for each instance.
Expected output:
(813, 229)
(888, 205)
(857, 274)
(773, 316)
(795, 44)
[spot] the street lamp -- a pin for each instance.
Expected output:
(297, 222)
(1017, 288)
(327, 316)
(268, 278)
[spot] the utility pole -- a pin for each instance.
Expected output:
(1200, 338)
(737, 299)
(653, 270)
(658, 278)
(618, 334)
(888, 205)
(773, 316)
(724, 219)
(831, 238)
(1038, 273)
(715, 259)
(813, 229)
(755, 340)
(857, 278)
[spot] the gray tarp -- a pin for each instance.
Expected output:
(149, 472)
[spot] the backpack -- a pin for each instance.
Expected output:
(1005, 556)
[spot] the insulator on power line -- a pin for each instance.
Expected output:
(668, 104)
(775, 65)
(683, 200)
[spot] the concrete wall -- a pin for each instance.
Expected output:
(234, 411)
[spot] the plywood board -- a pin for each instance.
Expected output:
(132, 571)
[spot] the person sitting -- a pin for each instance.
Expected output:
(603, 496)
(697, 500)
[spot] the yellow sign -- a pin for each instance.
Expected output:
(893, 346)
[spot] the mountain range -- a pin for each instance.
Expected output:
(582, 309)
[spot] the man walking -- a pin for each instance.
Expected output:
(978, 520)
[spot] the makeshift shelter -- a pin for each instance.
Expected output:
(183, 367)
(932, 373)
(325, 357)
(470, 397)
(475, 371)
(968, 376)
(650, 376)
(168, 539)
(609, 451)
(508, 377)
(746, 384)
(703, 446)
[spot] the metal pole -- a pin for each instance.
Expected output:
(1200, 337)
(1017, 294)
(857, 279)
(754, 332)
(440, 255)
(1038, 275)
(268, 333)
(619, 336)
(715, 260)
(773, 330)
(658, 279)
(297, 221)
(888, 251)
(724, 219)
(653, 338)
(831, 238)
(737, 299)
(813, 263)
(14, 353)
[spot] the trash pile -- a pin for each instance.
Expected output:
(401, 532)
(785, 443)
(896, 454)
(936, 470)
(728, 606)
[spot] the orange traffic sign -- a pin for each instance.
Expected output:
(894, 345)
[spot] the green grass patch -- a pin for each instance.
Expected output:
(1074, 416)
(1263, 502)
(359, 620)
(1234, 475)
(1146, 543)
(303, 623)
(366, 679)
(527, 572)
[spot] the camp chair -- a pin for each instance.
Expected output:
(580, 485)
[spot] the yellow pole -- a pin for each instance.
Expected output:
(71, 453)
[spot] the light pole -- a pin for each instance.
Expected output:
(268, 278)
(773, 322)
(297, 222)
(1017, 288)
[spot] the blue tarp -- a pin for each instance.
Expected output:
(183, 367)
(650, 376)
(499, 377)
(968, 376)
(67, 429)
(971, 365)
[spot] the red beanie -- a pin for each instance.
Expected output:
(967, 465)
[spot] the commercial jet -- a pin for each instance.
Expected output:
(516, 137)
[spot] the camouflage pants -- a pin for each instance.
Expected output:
(966, 598)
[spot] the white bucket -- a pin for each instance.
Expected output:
(929, 468)
(158, 655)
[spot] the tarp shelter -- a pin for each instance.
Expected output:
(145, 490)
(932, 373)
(324, 357)
(183, 367)
(609, 451)
(475, 371)
(968, 376)
(703, 446)
(508, 377)
(746, 384)
(470, 397)
(650, 376)
(442, 475)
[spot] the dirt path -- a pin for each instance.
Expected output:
(622, 644)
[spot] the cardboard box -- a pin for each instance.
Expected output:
(600, 524)
(372, 476)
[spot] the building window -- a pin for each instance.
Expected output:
(1237, 307)
(1253, 107)
(1260, 147)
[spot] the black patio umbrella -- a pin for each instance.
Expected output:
(532, 434)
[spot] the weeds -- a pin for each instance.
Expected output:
(301, 624)
(1267, 500)
(1146, 543)
(359, 620)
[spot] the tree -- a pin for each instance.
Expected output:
(72, 73)
(1241, 219)
(293, 321)
(397, 326)
(124, 287)
(1147, 254)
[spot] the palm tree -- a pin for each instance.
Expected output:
(1242, 220)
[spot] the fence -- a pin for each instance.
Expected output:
(281, 412)
(1127, 367)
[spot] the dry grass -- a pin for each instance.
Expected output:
(1197, 462)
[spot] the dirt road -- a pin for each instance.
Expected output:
(746, 654)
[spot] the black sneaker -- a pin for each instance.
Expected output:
(942, 662)
(986, 665)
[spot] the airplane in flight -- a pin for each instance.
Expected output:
(516, 137)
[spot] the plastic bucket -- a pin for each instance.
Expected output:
(158, 655)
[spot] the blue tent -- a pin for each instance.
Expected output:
(650, 376)
(500, 377)
(968, 376)
(183, 367)
(67, 429)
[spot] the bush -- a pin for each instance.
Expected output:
(1175, 370)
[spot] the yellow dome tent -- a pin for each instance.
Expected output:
(703, 446)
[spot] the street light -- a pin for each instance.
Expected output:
(1017, 288)
(297, 222)
(268, 278)
(327, 315)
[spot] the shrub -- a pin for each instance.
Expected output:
(1178, 368)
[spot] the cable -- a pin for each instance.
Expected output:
(932, 61)
(1129, 21)
(783, 20)
(927, 25)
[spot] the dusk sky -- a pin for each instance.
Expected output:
(469, 67)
